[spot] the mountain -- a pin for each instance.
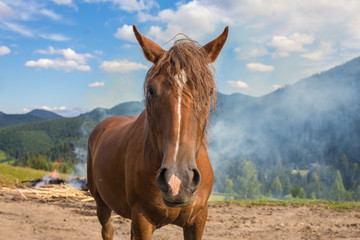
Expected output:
(46, 115)
(122, 109)
(33, 116)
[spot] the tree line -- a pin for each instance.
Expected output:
(243, 179)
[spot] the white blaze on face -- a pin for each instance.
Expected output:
(180, 81)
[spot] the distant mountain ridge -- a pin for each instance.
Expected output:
(35, 115)
(122, 109)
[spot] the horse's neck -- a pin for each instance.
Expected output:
(143, 138)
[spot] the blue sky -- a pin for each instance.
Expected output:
(70, 56)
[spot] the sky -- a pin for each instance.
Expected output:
(71, 56)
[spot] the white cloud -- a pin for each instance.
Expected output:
(50, 14)
(249, 53)
(350, 44)
(71, 60)
(46, 108)
(58, 64)
(63, 2)
(125, 33)
(27, 32)
(6, 11)
(145, 17)
(294, 43)
(68, 53)
(18, 16)
(129, 5)
(122, 66)
(98, 52)
(194, 19)
(320, 54)
(277, 86)
(259, 67)
(238, 84)
(127, 45)
(237, 49)
(96, 84)
(258, 52)
(287, 15)
(55, 37)
(4, 50)
(14, 27)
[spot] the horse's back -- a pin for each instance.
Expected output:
(106, 156)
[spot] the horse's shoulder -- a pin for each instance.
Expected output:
(108, 124)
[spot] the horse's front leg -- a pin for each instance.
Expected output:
(141, 229)
(195, 229)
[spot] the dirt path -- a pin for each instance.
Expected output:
(68, 219)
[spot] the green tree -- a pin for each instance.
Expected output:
(285, 181)
(357, 193)
(345, 163)
(314, 186)
(337, 190)
(276, 187)
(297, 191)
(229, 189)
(246, 183)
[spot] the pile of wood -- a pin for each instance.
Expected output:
(50, 191)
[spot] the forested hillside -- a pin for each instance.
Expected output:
(300, 140)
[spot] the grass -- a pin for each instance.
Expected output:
(337, 206)
(4, 158)
(2, 155)
(10, 175)
(217, 197)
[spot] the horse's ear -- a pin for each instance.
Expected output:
(214, 47)
(151, 50)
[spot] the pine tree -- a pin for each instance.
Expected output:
(229, 189)
(337, 190)
(297, 191)
(246, 183)
(314, 186)
(276, 187)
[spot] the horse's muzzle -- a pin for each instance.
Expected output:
(178, 188)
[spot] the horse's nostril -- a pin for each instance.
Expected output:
(161, 180)
(196, 180)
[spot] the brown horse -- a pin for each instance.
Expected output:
(154, 168)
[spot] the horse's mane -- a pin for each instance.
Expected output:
(188, 56)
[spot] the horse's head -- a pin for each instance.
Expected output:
(179, 90)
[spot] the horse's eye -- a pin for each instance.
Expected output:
(151, 92)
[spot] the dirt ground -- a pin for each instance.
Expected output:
(70, 219)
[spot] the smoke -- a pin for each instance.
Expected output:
(315, 120)
(90, 120)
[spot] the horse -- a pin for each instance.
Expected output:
(154, 168)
